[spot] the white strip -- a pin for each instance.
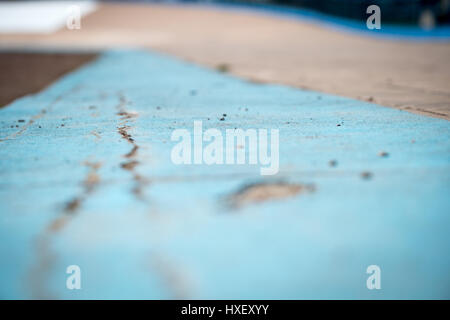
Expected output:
(39, 16)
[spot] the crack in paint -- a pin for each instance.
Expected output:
(41, 114)
(126, 116)
(91, 181)
(46, 259)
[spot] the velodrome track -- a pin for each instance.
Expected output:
(87, 179)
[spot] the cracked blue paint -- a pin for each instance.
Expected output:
(177, 239)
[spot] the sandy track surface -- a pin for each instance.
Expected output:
(406, 75)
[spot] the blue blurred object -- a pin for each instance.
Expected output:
(425, 29)
(393, 11)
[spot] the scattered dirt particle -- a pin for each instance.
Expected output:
(96, 134)
(366, 175)
(20, 120)
(127, 114)
(222, 119)
(158, 108)
(338, 125)
(332, 163)
(123, 132)
(132, 153)
(73, 205)
(224, 114)
(370, 99)
(383, 154)
(92, 107)
(262, 192)
(223, 67)
(130, 165)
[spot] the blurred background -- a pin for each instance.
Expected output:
(323, 45)
(412, 12)
(394, 11)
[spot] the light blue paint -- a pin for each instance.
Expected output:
(180, 240)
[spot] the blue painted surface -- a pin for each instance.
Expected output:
(440, 33)
(178, 239)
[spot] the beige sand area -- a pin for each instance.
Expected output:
(413, 76)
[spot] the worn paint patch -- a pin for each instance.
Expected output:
(262, 192)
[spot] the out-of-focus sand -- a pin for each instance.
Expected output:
(26, 73)
(413, 76)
